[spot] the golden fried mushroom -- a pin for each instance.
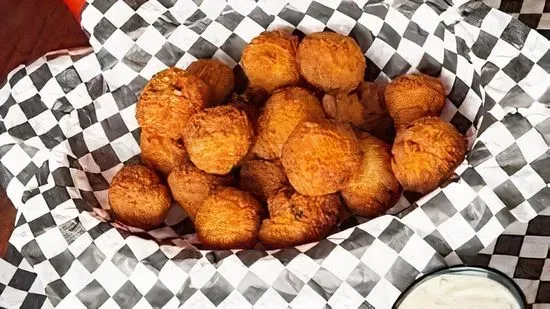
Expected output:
(426, 153)
(296, 219)
(218, 138)
(373, 188)
(228, 219)
(331, 62)
(242, 103)
(217, 75)
(283, 111)
(168, 100)
(413, 96)
(262, 178)
(138, 198)
(320, 157)
(162, 153)
(378, 121)
(190, 187)
(269, 60)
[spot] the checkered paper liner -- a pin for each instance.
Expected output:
(68, 125)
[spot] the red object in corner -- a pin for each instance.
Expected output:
(75, 6)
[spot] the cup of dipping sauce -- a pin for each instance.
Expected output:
(462, 287)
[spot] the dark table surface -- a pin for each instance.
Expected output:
(47, 26)
(522, 252)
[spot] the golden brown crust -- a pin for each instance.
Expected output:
(426, 153)
(262, 178)
(190, 187)
(138, 197)
(364, 109)
(284, 110)
(228, 219)
(297, 219)
(168, 100)
(319, 157)
(373, 189)
(217, 75)
(269, 60)
(218, 138)
(162, 153)
(251, 109)
(413, 96)
(331, 62)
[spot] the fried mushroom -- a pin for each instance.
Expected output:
(217, 75)
(426, 153)
(218, 138)
(168, 100)
(228, 219)
(138, 197)
(190, 187)
(296, 219)
(269, 60)
(320, 157)
(283, 111)
(331, 62)
(373, 189)
(413, 96)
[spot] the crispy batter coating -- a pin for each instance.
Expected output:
(320, 157)
(218, 138)
(138, 197)
(168, 100)
(190, 187)
(228, 219)
(243, 103)
(269, 60)
(162, 153)
(217, 75)
(413, 96)
(296, 219)
(378, 121)
(262, 178)
(426, 153)
(283, 111)
(331, 62)
(364, 108)
(373, 188)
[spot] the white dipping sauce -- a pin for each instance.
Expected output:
(450, 291)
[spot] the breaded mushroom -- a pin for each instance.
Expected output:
(426, 153)
(218, 138)
(331, 62)
(364, 109)
(413, 96)
(162, 153)
(138, 197)
(372, 189)
(320, 157)
(243, 103)
(296, 219)
(228, 219)
(262, 178)
(190, 187)
(217, 75)
(269, 60)
(283, 111)
(168, 100)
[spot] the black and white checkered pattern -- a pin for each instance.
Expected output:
(533, 13)
(523, 253)
(68, 125)
(19, 285)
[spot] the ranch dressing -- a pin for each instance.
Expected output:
(451, 291)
